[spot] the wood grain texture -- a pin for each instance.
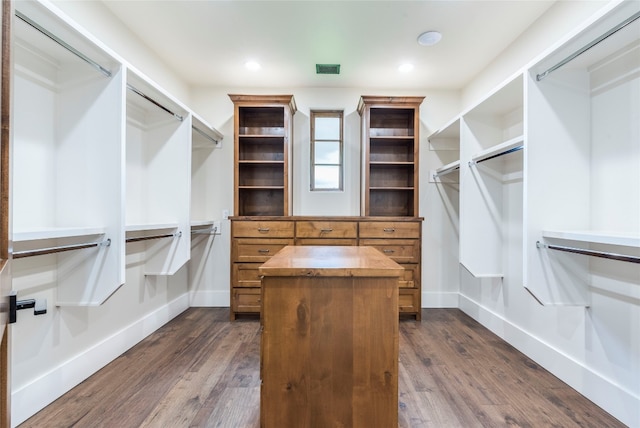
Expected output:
(329, 351)
(200, 370)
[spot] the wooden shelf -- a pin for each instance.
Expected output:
(263, 126)
(390, 142)
(260, 187)
(261, 162)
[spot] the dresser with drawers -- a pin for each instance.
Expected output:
(254, 240)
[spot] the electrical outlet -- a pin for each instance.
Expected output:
(225, 214)
(217, 225)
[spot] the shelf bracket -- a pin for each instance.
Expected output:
(39, 306)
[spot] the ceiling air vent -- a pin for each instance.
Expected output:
(327, 68)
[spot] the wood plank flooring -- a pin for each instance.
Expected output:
(200, 370)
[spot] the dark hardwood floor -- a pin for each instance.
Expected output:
(200, 370)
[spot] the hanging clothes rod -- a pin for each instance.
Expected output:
(446, 171)
(205, 135)
(579, 52)
(211, 231)
(147, 238)
(601, 254)
(64, 44)
(506, 152)
(59, 249)
(154, 102)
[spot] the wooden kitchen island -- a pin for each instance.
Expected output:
(329, 350)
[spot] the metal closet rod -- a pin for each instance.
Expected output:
(446, 171)
(59, 249)
(211, 231)
(205, 135)
(154, 102)
(64, 44)
(506, 152)
(601, 254)
(146, 238)
(579, 52)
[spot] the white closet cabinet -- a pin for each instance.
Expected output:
(158, 171)
(583, 163)
(204, 141)
(441, 233)
(101, 159)
(67, 169)
(445, 143)
(491, 139)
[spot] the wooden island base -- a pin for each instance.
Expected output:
(329, 351)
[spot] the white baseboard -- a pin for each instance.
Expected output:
(210, 299)
(28, 400)
(619, 402)
(440, 300)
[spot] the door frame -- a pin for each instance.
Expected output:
(5, 254)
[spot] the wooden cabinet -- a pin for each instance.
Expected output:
(326, 232)
(400, 241)
(390, 141)
(325, 359)
(256, 239)
(263, 127)
(253, 242)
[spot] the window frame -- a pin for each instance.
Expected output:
(312, 145)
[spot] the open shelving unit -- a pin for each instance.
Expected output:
(67, 151)
(583, 103)
(205, 140)
(390, 143)
(263, 129)
(158, 140)
(491, 139)
(445, 143)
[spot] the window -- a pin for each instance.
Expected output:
(326, 149)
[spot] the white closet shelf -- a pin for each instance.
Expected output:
(56, 232)
(595, 237)
(450, 166)
(499, 149)
(145, 227)
(205, 135)
(201, 223)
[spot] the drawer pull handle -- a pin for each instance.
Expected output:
(263, 229)
(389, 229)
(326, 230)
(263, 251)
(388, 251)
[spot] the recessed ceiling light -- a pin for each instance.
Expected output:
(252, 65)
(429, 38)
(405, 68)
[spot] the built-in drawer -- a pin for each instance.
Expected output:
(246, 275)
(246, 300)
(410, 277)
(389, 230)
(327, 241)
(262, 229)
(326, 229)
(409, 301)
(399, 250)
(247, 250)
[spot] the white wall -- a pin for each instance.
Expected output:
(210, 281)
(555, 23)
(98, 20)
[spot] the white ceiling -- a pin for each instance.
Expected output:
(208, 42)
